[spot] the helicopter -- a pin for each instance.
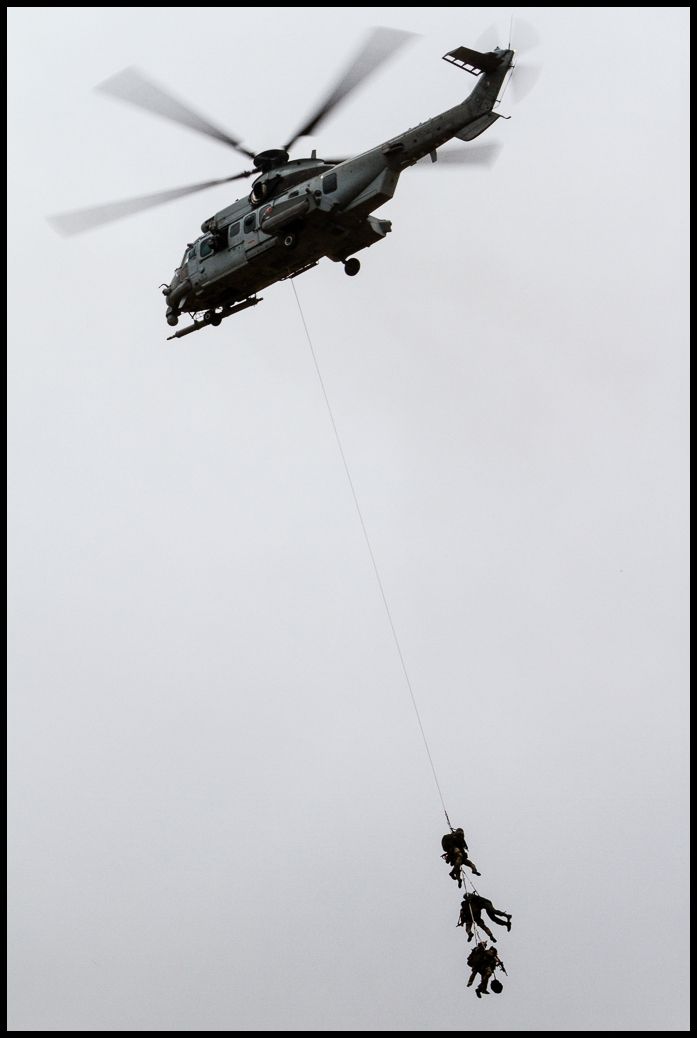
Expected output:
(299, 210)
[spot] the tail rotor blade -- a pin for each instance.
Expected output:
(489, 39)
(524, 36)
(521, 36)
(523, 79)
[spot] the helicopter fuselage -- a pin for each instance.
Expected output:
(306, 209)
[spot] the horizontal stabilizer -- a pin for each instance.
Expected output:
(477, 126)
(472, 61)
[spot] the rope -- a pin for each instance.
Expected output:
(474, 927)
(370, 552)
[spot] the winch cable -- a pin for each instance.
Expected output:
(372, 554)
(475, 928)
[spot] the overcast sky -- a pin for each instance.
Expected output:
(222, 816)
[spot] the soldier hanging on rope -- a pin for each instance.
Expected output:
(471, 909)
(484, 961)
(455, 847)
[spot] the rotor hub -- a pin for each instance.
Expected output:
(271, 159)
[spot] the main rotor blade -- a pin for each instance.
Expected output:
(482, 155)
(132, 86)
(80, 220)
(380, 44)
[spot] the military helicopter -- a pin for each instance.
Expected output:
(299, 210)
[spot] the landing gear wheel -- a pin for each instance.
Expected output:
(211, 317)
(289, 241)
(352, 266)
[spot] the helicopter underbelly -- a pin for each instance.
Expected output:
(273, 259)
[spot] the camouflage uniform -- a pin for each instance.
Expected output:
(483, 961)
(471, 914)
(455, 847)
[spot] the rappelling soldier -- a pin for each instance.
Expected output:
(471, 909)
(483, 961)
(455, 848)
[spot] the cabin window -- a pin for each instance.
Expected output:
(250, 222)
(329, 183)
(234, 230)
(206, 248)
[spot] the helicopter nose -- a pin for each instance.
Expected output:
(178, 291)
(168, 289)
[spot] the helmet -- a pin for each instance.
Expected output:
(459, 830)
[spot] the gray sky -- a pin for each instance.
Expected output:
(221, 813)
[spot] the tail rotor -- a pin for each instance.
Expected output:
(523, 38)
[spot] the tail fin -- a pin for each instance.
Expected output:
(473, 61)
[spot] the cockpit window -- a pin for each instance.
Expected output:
(206, 248)
(234, 230)
(188, 256)
(250, 222)
(329, 183)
